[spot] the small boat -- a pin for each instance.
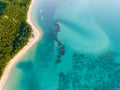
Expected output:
(40, 10)
(42, 17)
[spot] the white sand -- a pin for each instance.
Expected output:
(32, 41)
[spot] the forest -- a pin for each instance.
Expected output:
(14, 30)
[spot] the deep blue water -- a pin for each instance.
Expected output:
(82, 53)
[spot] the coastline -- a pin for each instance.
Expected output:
(37, 35)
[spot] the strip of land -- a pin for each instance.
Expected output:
(36, 36)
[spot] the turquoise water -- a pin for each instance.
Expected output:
(82, 53)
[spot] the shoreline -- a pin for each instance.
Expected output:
(37, 35)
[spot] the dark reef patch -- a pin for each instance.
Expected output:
(91, 73)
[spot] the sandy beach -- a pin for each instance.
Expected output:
(37, 35)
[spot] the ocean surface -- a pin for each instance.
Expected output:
(79, 49)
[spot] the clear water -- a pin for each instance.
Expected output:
(90, 34)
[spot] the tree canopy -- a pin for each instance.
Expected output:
(14, 30)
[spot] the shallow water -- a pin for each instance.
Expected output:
(82, 55)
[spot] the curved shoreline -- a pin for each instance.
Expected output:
(22, 52)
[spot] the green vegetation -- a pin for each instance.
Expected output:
(14, 31)
(2, 7)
